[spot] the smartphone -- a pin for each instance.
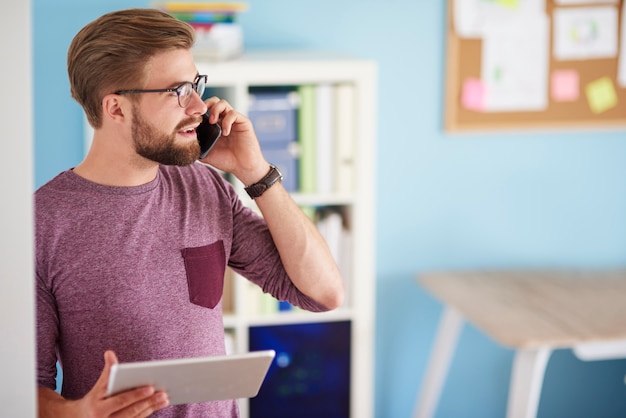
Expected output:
(208, 133)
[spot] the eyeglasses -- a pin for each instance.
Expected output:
(184, 91)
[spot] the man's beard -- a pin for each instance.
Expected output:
(160, 147)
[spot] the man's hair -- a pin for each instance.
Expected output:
(113, 53)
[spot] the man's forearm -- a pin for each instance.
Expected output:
(302, 249)
(51, 404)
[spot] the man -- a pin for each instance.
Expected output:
(132, 243)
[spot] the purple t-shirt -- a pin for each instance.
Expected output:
(140, 270)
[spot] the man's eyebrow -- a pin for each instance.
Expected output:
(178, 83)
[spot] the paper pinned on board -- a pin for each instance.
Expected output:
(471, 16)
(582, 33)
(515, 64)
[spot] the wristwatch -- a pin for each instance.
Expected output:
(257, 189)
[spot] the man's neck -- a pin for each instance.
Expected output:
(113, 166)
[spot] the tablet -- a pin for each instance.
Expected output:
(199, 379)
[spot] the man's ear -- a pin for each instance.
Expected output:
(115, 108)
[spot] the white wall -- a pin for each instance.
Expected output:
(17, 337)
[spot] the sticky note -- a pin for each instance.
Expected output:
(513, 4)
(473, 94)
(565, 85)
(601, 95)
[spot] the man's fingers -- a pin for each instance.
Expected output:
(158, 401)
(217, 108)
(110, 358)
(137, 403)
(101, 384)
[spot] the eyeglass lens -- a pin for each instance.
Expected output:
(200, 85)
(185, 91)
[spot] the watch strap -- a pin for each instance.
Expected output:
(257, 189)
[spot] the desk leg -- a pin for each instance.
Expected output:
(600, 350)
(529, 367)
(440, 358)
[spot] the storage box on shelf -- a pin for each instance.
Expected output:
(319, 112)
(219, 36)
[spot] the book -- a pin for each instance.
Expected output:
(204, 18)
(229, 342)
(228, 297)
(345, 264)
(285, 158)
(267, 303)
(324, 129)
(273, 115)
(252, 299)
(306, 139)
(332, 226)
(329, 226)
(345, 141)
(177, 6)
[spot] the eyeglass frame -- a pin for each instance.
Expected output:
(178, 90)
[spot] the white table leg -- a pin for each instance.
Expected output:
(529, 367)
(440, 358)
(600, 350)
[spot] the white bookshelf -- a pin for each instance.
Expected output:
(232, 80)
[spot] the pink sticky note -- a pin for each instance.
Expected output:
(565, 86)
(473, 94)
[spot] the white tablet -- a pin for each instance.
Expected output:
(196, 379)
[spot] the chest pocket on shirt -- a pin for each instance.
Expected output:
(205, 267)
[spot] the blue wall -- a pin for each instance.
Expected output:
(466, 201)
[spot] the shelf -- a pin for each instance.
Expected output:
(288, 317)
(233, 80)
(322, 199)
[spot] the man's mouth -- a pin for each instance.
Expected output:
(188, 131)
(188, 128)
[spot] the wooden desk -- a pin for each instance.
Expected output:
(533, 312)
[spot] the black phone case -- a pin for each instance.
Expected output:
(208, 133)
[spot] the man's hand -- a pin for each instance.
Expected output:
(238, 150)
(135, 403)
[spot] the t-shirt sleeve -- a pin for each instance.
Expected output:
(47, 335)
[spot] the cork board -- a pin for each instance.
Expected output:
(463, 63)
